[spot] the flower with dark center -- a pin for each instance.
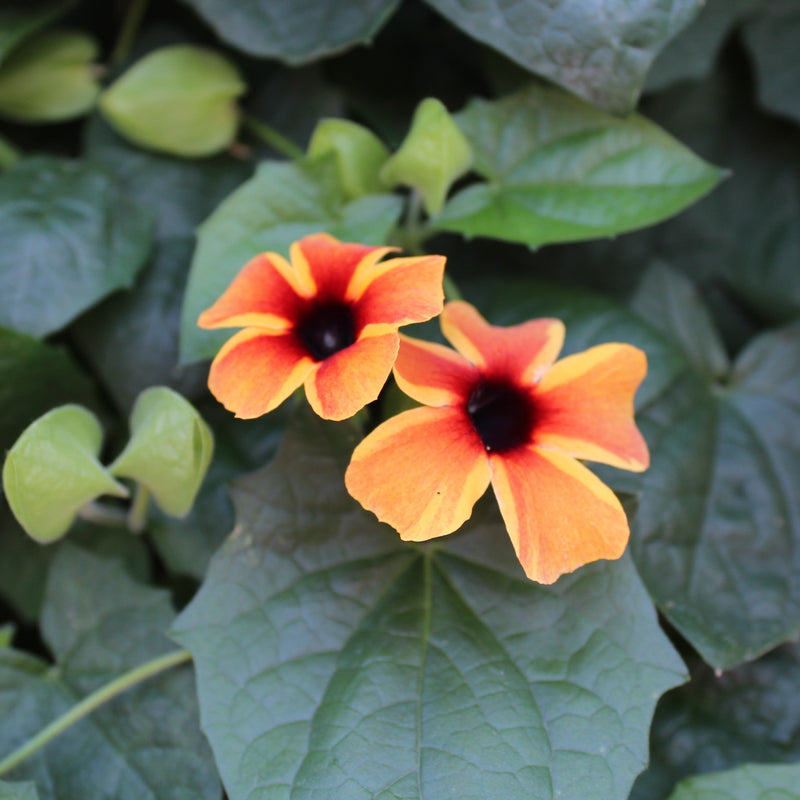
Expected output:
(501, 410)
(326, 319)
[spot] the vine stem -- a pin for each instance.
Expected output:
(92, 702)
(137, 514)
(270, 136)
(130, 26)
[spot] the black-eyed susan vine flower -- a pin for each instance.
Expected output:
(327, 319)
(505, 412)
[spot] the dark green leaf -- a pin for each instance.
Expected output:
(145, 743)
(750, 782)
(378, 669)
(131, 339)
(35, 377)
(70, 236)
(18, 791)
(180, 193)
(24, 564)
(559, 170)
(282, 203)
(772, 38)
(597, 49)
(719, 721)
(296, 32)
(20, 20)
(691, 54)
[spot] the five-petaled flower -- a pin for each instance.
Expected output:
(328, 320)
(504, 413)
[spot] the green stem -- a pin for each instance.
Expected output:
(92, 702)
(270, 136)
(104, 515)
(130, 27)
(137, 513)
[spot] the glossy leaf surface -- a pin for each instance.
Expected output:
(558, 170)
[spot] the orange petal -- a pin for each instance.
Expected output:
(559, 515)
(517, 353)
(348, 380)
(398, 291)
(584, 406)
(421, 471)
(256, 370)
(433, 374)
(326, 266)
(264, 293)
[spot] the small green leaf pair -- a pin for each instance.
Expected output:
(432, 157)
(53, 471)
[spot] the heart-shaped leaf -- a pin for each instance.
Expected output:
(432, 157)
(20, 20)
(52, 471)
(70, 236)
(144, 744)
(296, 32)
(169, 450)
(559, 170)
(50, 78)
(178, 100)
(599, 49)
(336, 661)
(282, 203)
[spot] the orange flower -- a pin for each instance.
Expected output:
(503, 413)
(328, 320)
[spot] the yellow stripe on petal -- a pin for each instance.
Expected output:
(421, 472)
(584, 406)
(348, 380)
(519, 353)
(558, 514)
(256, 370)
(367, 271)
(433, 374)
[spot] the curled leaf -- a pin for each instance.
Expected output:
(169, 450)
(52, 471)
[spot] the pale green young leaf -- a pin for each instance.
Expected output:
(178, 100)
(50, 78)
(433, 155)
(169, 450)
(359, 153)
(748, 782)
(559, 170)
(52, 471)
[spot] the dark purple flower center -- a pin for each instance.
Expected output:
(502, 415)
(327, 329)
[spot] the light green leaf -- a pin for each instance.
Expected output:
(35, 377)
(282, 203)
(432, 157)
(749, 782)
(559, 170)
(177, 100)
(70, 237)
(771, 36)
(20, 20)
(359, 153)
(169, 450)
(50, 78)
(296, 32)
(52, 471)
(7, 634)
(18, 791)
(143, 745)
(9, 154)
(598, 49)
(379, 669)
